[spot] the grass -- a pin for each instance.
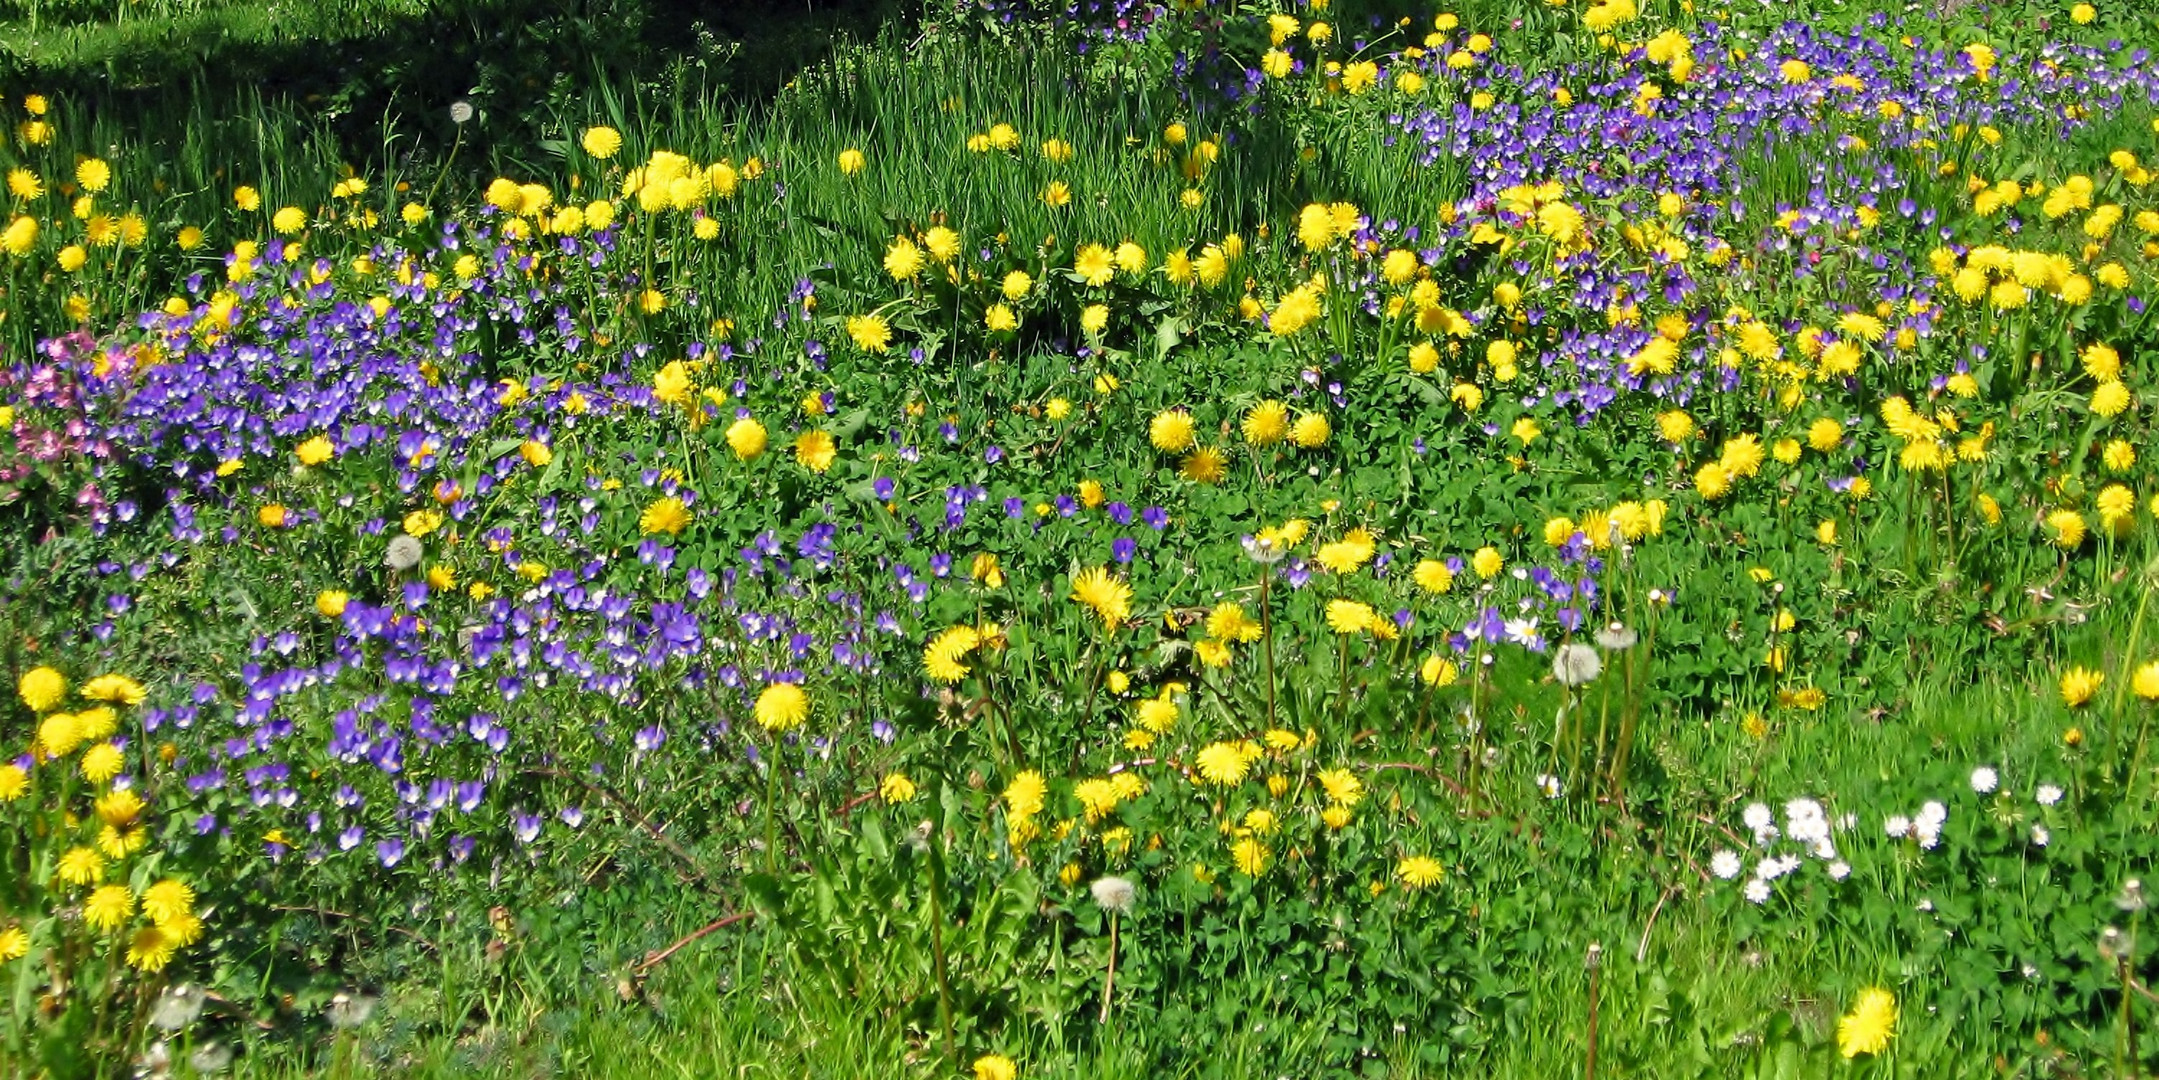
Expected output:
(907, 936)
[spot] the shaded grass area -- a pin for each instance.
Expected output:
(365, 69)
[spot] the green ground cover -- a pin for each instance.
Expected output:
(1257, 539)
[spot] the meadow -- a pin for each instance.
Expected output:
(1248, 538)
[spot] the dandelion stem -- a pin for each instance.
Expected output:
(937, 942)
(1266, 635)
(1109, 977)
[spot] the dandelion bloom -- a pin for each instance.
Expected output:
(1207, 465)
(2101, 362)
(184, 929)
(903, 260)
(167, 900)
(1298, 309)
(1251, 857)
(14, 782)
(896, 788)
(1266, 423)
(1437, 671)
(602, 142)
(995, 1067)
(14, 944)
(330, 603)
(2146, 681)
(1419, 871)
(942, 657)
(113, 687)
(2068, 528)
(1158, 715)
(1094, 265)
(41, 688)
(815, 450)
(1106, 594)
(1171, 431)
(870, 333)
(782, 707)
(1350, 616)
(108, 907)
(1712, 481)
(150, 949)
(1349, 554)
(1311, 431)
(1223, 763)
(119, 808)
(1228, 622)
(2111, 398)
(1057, 194)
(21, 235)
(2079, 684)
(746, 437)
(24, 184)
(1023, 796)
(59, 735)
(102, 762)
(1487, 562)
(82, 866)
(93, 174)
(669, 515)
(1868, 1028)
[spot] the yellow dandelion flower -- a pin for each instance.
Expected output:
(782, 707)
(108, 907)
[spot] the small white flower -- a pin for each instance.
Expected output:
(1926, 905)
(1824, 850)
(1985, 780)
(1838, 871)
(2048, 794)
(2040, 836)
(1575, 664)
(1549, 785)
(404, 553)
(1758, 816)
(1769, 869)
(1725, 864)
(1114, 894)
(1898, 827)
(1757, 891)
(1264, 549)
(1934, 812)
